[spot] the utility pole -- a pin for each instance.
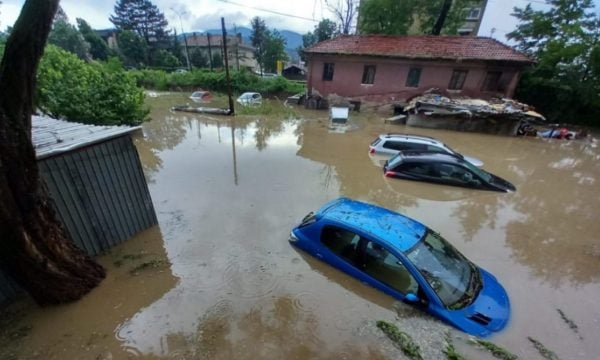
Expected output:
(231, 111)
(187, 54)
(210, 59)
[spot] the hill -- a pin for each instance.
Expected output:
(292, 39)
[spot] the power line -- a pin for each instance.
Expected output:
(269, 11)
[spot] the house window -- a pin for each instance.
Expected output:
(413, 78)
(328, 71)
(368, 74)
(473, 13)
(492, 81)
(458, 79)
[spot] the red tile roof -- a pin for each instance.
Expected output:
(421, 47)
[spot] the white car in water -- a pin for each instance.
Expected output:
(391, 144)
(250, 98)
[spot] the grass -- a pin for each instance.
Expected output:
(147, 265)
(497, 351)
(401, 339)
(127, 257)
(544, 351)
(450, 351)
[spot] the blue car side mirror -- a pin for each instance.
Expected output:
(412, 298)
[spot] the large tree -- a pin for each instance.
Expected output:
(98, 47)
(565, 40)
(259, 37)
(326, 29)
(401, 17)
(274, 51)
(345, 12)
(66, 36)
(142, 17)
(390, 17)
(34, 249)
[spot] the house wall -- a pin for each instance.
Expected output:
(100, 195)
(391, 76)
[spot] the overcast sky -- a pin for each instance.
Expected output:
(298, 15)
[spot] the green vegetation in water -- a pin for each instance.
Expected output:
(569, 322)
(450, 351)
(544, 351)
(127, 257)
(401, 339)
(496, 350)
(147, 265)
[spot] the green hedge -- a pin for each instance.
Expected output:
(93, 93)
(241, 81)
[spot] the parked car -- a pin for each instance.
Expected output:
(391, 144)
(407, 260)
(201, 96)
(250, 98)
(443, 169)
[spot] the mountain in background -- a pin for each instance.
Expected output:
(293, 40)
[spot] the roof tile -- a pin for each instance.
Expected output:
(421, 47)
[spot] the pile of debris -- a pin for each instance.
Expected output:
(432, 104)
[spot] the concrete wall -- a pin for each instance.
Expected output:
(391, 75)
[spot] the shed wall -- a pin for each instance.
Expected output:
(100, 194)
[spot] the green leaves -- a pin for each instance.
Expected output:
(564, 39)
(92, 93)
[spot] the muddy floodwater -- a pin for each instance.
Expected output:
(217, 278)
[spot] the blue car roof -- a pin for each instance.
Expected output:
(390, 227)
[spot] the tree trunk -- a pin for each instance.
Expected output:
(439, 23)
(34, 247)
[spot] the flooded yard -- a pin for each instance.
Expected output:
(217, 279)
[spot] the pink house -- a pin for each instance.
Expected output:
(380, 67)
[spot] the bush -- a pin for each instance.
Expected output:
(92, 93)
(241, 81)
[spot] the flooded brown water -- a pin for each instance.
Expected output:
(217, 278)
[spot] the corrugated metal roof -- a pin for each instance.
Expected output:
(52, 137)
(421, 47)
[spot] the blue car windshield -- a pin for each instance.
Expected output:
(455, 279)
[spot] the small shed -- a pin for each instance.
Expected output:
(95, 179)
(294, 72)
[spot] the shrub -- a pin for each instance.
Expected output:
(92, 93)
(241, 81)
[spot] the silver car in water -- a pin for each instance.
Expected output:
(391, 144)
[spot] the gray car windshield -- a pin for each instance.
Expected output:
(487, 177)
(455, 279)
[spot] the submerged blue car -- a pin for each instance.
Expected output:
(406, 260)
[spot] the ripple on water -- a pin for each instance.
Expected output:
(305, 302)
(252, 277)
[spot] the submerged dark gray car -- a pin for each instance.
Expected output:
(443, 169)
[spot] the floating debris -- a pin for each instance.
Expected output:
(202, 110)
(433, 104)
(544, 351)
(401, 339)
(569, 322)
